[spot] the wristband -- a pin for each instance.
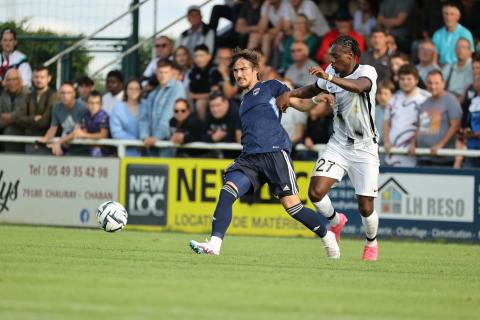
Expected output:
(330, 78)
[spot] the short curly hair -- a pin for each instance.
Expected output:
(349, 43)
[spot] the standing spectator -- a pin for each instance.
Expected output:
(470, 93)
(301, 32)
(385, 90)
(298, 73)
(85, 86)
(318, 23)
(459, 75)
(471, 133)
(446, 37)
(432, 16)
(125, 115)
(184, 128)
(35, 114)
(275, 22)
(364, 19)
(204, 78)
(115, 90)
(94, 125)
(163, 50)
(198, 33)
(11, 58)
(181, 56)
(397, 60)
(379, 55)
(11, 100)
(247, 22)
(343, 23)
(398, 18)
(401, 116)
(318, 130)
(227, 84)
(223, 123)
(438, 122)
(427, 57)
(66, 114)
(157, 110)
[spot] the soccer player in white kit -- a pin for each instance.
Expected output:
(352, 148)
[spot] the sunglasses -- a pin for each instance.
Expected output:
(161, 45)
(180, 110)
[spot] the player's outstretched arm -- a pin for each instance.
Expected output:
(305, 92)
(362, 84)
(308, 104)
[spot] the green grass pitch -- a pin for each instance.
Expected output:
(58, 273)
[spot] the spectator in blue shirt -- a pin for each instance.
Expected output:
(157, 110)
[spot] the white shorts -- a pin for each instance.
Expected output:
(361, 165)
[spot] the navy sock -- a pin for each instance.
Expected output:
(308, 218)
(223, 212)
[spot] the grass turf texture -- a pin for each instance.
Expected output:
(57, 273)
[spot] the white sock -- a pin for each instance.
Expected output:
(216, 243)
(370, 224)
(325, 208)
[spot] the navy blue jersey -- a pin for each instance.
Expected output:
(260, 118)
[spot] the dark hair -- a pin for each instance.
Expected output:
(386, 84)
(116, 74)
(10, 30)
(250, 55)
(68, 83)
(182, 100)
(164, 63)
(348, 43)
(201, 47)
(434, 72)
(379, 28)
(216, 94)
(40, 67)
(95, 94)
(408, 69)
(125, 93)
(85, 81)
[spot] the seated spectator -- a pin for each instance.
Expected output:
(184, 128)
(125, 114)
(94, 125)
(198, 33)
(432, 16)
(35, 115)
(157, 110)
(11, 58)
(227, 84)
(459, 75)
(318, 130)
(275, 22)
(471, 132)
(247, 22)
(301, 32)
(181, 56)
(307, 8)
(438, 123)
(343, 23)
(391, 44)
(265, 71)
(385, 90)
(397, 60)
(470, 93)
(294, 123)
(223, 124)
(378, 56)
(365, 18)
(11, 101)
(67, 114)
(229, 11)
(298, 73)
(398, 18)
(114, 93)
(85, 86)
(401, 116)
(204, 78)
(446, 38)
(427, 57)
(163, 50)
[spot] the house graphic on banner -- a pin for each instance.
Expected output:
(391, 194)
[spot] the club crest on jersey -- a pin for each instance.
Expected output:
(256, 91)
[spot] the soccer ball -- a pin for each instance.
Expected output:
(112, 216)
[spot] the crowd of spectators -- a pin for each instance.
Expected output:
(425, 54)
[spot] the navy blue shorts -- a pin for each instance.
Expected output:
(274, 168)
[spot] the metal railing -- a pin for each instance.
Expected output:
(121, 146)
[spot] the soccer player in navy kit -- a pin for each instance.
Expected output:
(265, 158)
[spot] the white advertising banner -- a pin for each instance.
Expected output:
(63, 191)
(427, 197)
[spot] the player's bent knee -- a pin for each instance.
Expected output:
(316, 193)
(365, 206)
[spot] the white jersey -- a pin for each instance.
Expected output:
(402, 111)
(354, 113)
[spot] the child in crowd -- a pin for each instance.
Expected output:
(385, 92)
